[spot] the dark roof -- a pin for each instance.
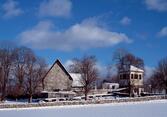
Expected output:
(61, 66)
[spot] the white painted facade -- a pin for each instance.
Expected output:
(107, 85)
(133, 77)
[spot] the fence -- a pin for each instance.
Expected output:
(63, 103)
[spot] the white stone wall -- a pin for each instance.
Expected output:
(57, 79)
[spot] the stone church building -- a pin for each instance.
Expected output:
(58, 82)
(57, 78)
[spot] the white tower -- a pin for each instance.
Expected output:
(132, 78)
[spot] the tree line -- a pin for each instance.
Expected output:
(21, 72)
(158, 80)
(87, 66)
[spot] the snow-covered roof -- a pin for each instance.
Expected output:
(59, 92)
(131, 68)
(77, 78)
(111, 83)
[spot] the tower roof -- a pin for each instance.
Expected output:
(131, 68)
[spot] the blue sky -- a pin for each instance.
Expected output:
(66, 29)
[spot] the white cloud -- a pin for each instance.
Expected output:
(163, 32)
(125, 20)
(148, 71)
(83, 35)
(158, 5)
(67, 64)
(54, 8)
(104, 70)
(101, 68)
(11, 9)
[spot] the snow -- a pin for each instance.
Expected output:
(156, 108)
(133, 68)
(20, 101)
(77, 78)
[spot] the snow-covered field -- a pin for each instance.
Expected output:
(156, 108)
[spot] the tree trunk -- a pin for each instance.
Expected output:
(3, 86)
(86, 92)
(86, 96)
(43, 84)
(30, 98)
(3, 93)
(130, 88)
(166, 89)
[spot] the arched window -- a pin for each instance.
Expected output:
(131, 76)
(136, 76)
(140, 76)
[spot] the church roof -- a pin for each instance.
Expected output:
(77, 80)
(61, 66)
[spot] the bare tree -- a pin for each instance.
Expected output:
(124, 58)
(1, 82)
(41, 70)
(111, 75)
(6, 61)
(118, 57)
(30, 65)
(86, 66)
(152, 84)
(160, 75)
(19, 69)
(35, 70)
